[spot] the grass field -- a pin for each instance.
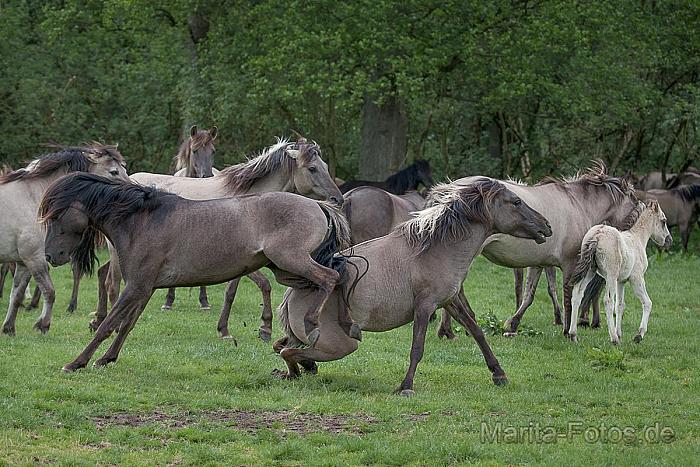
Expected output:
(180, 395)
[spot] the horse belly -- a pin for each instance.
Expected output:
(378, 309)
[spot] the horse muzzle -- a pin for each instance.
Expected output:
(667, 242)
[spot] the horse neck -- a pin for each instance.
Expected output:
(281, 179)
(457, 257)
(641, 229)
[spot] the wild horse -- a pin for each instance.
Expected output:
(22, 237)
(401, 182)
(294, 167)
(288, 233)
(406, 275)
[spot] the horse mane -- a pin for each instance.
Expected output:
(103, 200)
(449, 211)
(687, 192)
(406, 178)
(71, 159)
(596, 175)
(182, 158)
(241, 177)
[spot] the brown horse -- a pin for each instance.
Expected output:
(295, 167)
(402, 181)
(406, 275)
(572, 206)
(681, 206)
(22, 237)
(294, 236)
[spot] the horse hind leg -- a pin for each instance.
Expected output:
(229, 296)
(265, 331)
(19, 284)
(4, 269)
(610, 307)
(43, 280)
(445, 329)
(203, 299)
(533, 277)
(169, 299)
(551, 275)
(620, 309)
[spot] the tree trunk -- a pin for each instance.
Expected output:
(384, 138)
(197, 30)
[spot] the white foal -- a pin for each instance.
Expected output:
(619, 257)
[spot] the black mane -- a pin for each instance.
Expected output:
(688, 192)
(407, 179)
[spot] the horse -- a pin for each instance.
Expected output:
(681, 205)
(572, 206)
(619, 257)
(290, 234)
(402, 181)
(406, 275)
(373, 212)
(22, 237)
(294, 167)
(195, 159)
(655, 180)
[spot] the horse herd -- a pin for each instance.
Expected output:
(359, 257)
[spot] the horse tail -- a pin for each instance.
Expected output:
(586, 261)
(338, 239)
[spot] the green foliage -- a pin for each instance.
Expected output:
(501, 88)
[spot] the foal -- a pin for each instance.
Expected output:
(619, 257)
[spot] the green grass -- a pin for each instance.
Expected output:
(182, 385)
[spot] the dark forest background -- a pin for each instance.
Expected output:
(519, 88)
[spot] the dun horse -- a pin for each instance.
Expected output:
(402, 181)
(572, 206)
(681, 206)
(294, 167)
(406, 275)
(195, 159)
(619, 257)
(288, 233)
(22, 237)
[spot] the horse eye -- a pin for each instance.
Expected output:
(518, 202)
(312, 170)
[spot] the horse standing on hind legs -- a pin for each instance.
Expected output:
(295, 167)
(195, 159)
(288, 233)
(618, 257)
(406, 275)
(22, 237)
(572, 206)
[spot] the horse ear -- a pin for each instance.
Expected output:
(193, 131)
(214, 132)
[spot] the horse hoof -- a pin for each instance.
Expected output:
(313, 337)
(510, 334)
(407, 393)
(281, 374)
(264, 335)
(103, 362)
(10, 331)
(511, 325)
(500, 380)
(166, 307)
(583, 323)
(205, 308)
(356, 332)
(43, 328)
(230, 337)
(93, 325)
(638, 338)
(573, 337)
(72, 367)
(70, 309)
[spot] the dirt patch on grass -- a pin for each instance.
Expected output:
(251, 421)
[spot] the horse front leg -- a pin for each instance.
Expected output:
(40, 271)
(533, 277)
(421, 318)
(4, 269)
(19, 285)
(265, 331)
(169, 299)
(74, 293)
(463, 313)
(640, 290)
(129, 301)
(203, 299)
